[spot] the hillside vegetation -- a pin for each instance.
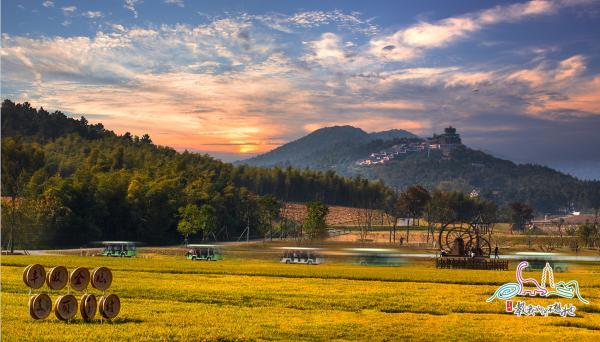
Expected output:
(464, 169)
(66, 182)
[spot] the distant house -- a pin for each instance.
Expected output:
(403, 222)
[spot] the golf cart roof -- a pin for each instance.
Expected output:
(300, 248)
(202, 246)
(118, 242)
(372, 250)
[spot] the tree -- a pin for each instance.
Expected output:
(369, 200)
(591, 194)
(208, 220)
(286, 226)
(588, 232)
(428, 214)
(38, 219)
(559, 226)
(146, 139)
(413, 201)
(393, 213)
(365, 221)
(19, 161)
(269, 210)
(314, 222)
(521, 216)
(190, 221)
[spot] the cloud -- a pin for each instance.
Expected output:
(48, 4)
(393, 105)
(178, 3)
(570, 68)
(69, 10)
(327, 50)
(411, 42)
(313, 19)
(560, 90)
(117, 27)
(92, 14)
(130, 5)
(535, 77)
(578, 100)
(444, 76)
(330, 51)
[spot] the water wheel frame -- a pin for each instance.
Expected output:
(484, 245)
(465, 233)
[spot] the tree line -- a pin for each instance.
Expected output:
(66, 182)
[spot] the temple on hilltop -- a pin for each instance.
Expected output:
(449, 137)
(446, 143)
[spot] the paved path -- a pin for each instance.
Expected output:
(519, 257)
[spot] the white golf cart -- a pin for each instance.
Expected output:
(204, 252)
(301, 255)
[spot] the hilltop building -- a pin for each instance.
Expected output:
(449, 137)
(445, 142)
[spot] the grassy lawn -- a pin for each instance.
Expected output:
(170, 298)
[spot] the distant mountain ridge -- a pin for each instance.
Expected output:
(401, 158)
(322, 145)
(392, 134)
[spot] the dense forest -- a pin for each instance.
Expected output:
(66, 182)
(546, 190)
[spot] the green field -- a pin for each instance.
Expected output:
(170, 298)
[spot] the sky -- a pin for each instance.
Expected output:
(519, 79)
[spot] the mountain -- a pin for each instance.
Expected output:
(327, 148)
(308, 149)
(392, 134)
(400, 158)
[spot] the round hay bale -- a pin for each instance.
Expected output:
(109, 306)
(35, 276)
(79, 278)
(65, 307)
(57, 278)
(40, 306)
(101, 278)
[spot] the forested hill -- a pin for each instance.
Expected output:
(326, 147)
(73, 182)
(460, 168)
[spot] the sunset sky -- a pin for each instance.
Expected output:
(237, 78)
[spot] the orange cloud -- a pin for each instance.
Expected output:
(570, 68)
(585, 98)
(409, 43)
(384, 105)
(535, 77)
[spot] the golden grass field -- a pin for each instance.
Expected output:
(171, 298)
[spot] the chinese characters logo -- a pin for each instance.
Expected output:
(544, 288)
